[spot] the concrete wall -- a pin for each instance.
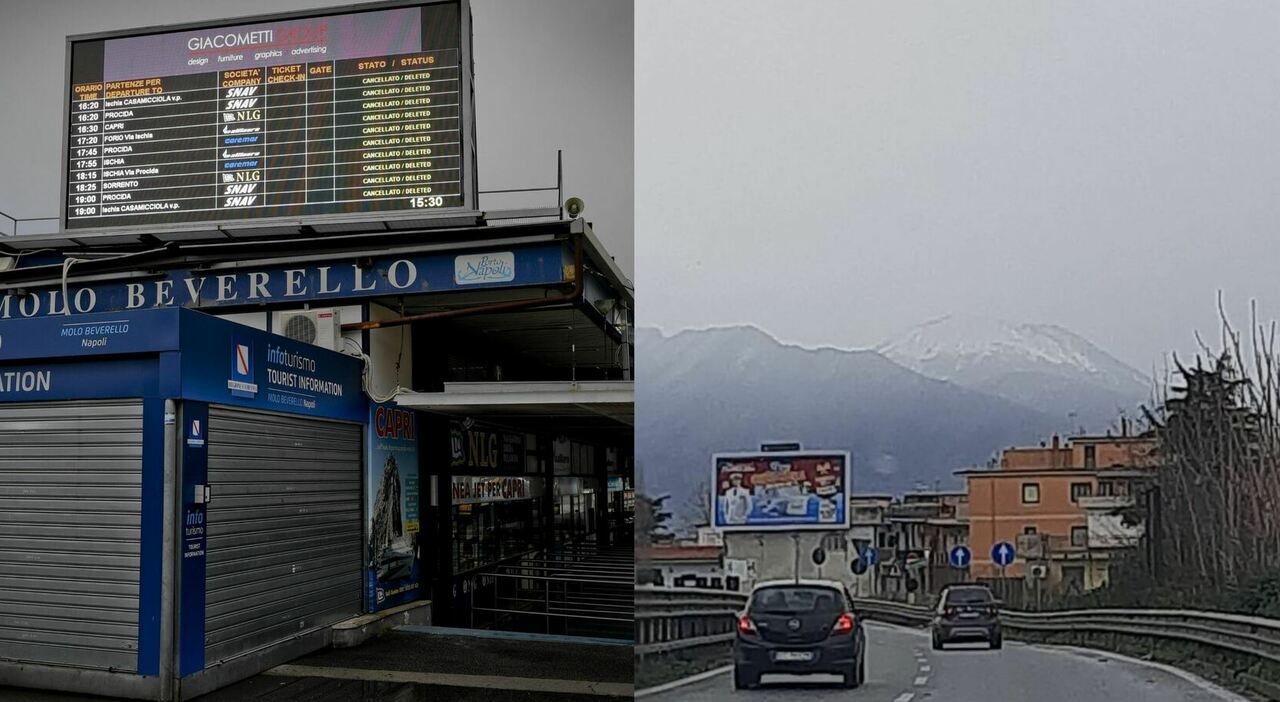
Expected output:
(672, 571)
(774, 556)
(385, 349)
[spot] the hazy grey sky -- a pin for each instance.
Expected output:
(550, 74)
(839, 171)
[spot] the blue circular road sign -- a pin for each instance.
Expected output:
(871, 555)
(960, 557)
(1002, 553)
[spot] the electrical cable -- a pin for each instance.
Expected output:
(367, 377)
(66, 269)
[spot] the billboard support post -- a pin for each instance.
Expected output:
(795, 540)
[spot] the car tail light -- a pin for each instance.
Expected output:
(950, 612)
(745, 625)
(844, 625)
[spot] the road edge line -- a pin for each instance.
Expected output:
(705, 675)
(918, 631)
(1209, 686)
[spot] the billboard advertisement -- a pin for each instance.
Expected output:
(393, 574)
(780, 491)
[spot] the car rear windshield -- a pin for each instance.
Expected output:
(968, 595)
(796, 600)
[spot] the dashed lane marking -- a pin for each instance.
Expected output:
(905, 697)
(925, 668)
(922, 680)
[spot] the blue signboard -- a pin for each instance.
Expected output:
(959, 557)
(192, 355)
(393, 570)
(1002, 553)
(401, 274)
(83, 336)
(237, 365)
(195, 467)
(65, 380)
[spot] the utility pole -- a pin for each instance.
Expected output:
(795, 540)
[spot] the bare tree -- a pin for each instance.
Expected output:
(1218, 482)
(696, 507)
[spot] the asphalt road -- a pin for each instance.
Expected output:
(901, 667)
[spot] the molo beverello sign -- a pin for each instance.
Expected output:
(542, 264)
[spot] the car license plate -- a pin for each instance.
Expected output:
(968, 615)
(793, 656)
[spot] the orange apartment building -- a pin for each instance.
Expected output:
(1056, 504)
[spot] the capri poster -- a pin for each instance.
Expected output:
(392, 576)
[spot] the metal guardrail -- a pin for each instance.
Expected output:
(673, 619)
(683, 618)
(570, 590)
(1249, 636)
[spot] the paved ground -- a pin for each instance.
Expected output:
(444, 664)
(901, 667)
(429, 665)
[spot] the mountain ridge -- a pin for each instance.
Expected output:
(729, 387)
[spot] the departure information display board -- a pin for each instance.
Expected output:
(296, 117)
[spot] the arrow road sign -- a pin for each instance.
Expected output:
(1002, 553)
(960, 557)
(871, 555)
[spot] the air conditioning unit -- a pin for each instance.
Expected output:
(322, 327)
(1039, 572)
(1030, 546)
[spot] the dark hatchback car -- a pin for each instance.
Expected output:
(799, 628)
(967, 613)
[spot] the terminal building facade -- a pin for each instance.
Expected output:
(218, 439)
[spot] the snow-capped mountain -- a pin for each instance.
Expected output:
(729, 388)
(1040, 365)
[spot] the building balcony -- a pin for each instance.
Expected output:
(1055, 545)
(1100, 502)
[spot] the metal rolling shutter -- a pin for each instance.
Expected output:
(70, 526)
(285, 551)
